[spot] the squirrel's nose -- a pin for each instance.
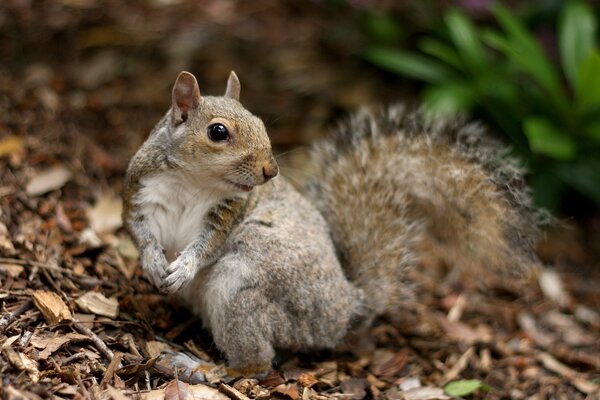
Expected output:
(270, 171)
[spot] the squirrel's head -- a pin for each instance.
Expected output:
(217, 140)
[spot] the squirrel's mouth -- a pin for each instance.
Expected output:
(245, 188)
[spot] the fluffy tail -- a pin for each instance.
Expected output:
(394, 186)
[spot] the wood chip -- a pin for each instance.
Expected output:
(552, 286)
(23, 363)
(51, 179)
(459, 366)
(12, 270)
(98, 304)
(426, 393)
(51, 306)
(578, 380)
(105, 216)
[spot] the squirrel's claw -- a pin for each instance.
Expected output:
(178, 273)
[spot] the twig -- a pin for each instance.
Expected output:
(10, 316)
(100, 345)
(232, 392)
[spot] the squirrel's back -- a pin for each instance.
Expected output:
(393, 186)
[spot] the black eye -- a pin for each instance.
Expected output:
(218, 132)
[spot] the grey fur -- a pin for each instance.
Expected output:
(263, 268)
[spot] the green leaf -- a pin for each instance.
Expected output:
(464, 387)
(545, 138)
(409, 64)
(587, 89)
(466, 39)
(441, 51)
(449, 98)
(526, 54)
(577, 37)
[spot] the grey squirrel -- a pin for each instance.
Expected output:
(266, 267)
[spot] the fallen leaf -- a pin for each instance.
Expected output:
(98, 304)
(465, 387)
(51, 343)
(387, 363)
(51, 179)
(105, 216)
(23, 363)
(154, 348)
(289, 390)
(51, 306)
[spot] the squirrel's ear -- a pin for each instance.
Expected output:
(186, 96)
(233, 87)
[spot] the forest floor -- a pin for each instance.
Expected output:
(84, 84)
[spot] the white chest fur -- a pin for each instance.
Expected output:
(175, 210)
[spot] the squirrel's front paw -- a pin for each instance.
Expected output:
(179, 273)
(154, 263)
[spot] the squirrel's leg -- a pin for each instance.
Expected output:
(152, 255)
(243, 331)
(205, 250)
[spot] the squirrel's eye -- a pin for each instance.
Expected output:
(218, 132)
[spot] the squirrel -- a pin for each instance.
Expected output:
(267, 267)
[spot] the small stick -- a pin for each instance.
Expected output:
(10, 316)
(100, 345)
(232, 392)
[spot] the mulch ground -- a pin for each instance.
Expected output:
(84, 84)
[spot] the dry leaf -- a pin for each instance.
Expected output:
(388, 363)
(52, 342)
(98, 304)
(290, 391)
(51, 179)
(154, 348)
(105, 216)
(23, 363)
(177, 390)
(51, 306)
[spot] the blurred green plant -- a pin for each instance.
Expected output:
(549, 113)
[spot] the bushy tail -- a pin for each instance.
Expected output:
(393, 186)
